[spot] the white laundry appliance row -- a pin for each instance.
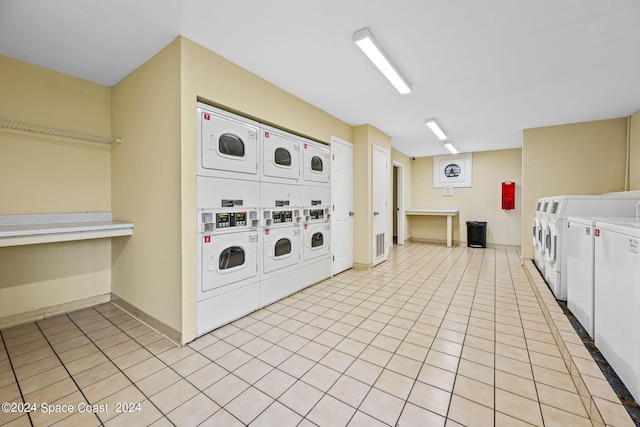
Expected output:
(550, 254)
(616, 299)
(263, 198)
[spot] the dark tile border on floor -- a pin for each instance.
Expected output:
(618, 386)
(602, 410)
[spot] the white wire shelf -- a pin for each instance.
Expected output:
(54, 131)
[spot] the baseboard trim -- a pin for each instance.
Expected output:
(362, 267)
(54, 310)
(162, 328)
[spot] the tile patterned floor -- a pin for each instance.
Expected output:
(435, 336)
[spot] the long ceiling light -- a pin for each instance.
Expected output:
(450, 147)
(365, 41)
(435, 128)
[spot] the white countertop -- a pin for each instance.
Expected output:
(432, 210)
(16, 230)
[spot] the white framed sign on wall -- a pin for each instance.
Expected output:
(452, 171)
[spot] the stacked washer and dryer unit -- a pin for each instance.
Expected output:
(259, 193)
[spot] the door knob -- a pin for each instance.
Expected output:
(376, 213)
(351, 214)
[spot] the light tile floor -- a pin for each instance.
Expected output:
(435, 336)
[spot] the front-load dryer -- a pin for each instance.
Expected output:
(228, 247)
(281, 156)
(227, 145)
(316, 251)
(617, 298)
(316, 163)
(561, 208)
(281, 256)
(538, 233)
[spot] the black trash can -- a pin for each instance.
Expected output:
(477, 234)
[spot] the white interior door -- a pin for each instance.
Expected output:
(380, 186)
(342, 209)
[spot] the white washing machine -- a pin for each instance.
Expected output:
(580, 268)
(617, 299)
(228, 245)
(316, 251)
(316, 163)
(560, 209)
(538, 234)
(281, 156)
(543, 231)
(227, 145)
(282, 247)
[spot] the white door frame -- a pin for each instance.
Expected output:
(400, 201)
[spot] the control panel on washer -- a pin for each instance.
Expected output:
(279, 217)
(316, 215)
(221, 221)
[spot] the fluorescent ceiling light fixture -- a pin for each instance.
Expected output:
(365, 41)
(435, 128)
(450, 147)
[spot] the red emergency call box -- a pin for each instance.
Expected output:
(508, 195)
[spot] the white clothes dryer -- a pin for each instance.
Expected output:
(316, 252)
(281, 156)
(227, 145)
(228, 245)
(617, 298)
(316, 163)
(561, 208)
(538, 234)
(282, 246)
(580, 268)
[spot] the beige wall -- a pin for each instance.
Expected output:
(587, 158)
(364, 138)
(482, 202)
(146, 185)
(45, 174)
(398, 158)
(634, 151)
(154, 175)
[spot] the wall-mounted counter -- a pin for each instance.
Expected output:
(448, 211)
(16, 230)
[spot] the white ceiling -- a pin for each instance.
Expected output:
(485, 69)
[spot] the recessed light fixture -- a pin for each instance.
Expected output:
(450, 147)
(365, 41)
(435, 128)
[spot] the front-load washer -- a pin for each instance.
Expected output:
(617, 298)
(316, 163)
(281, 156)
(580, 268)
(227, 145)
(281, 255)
(538, 253)
(228, 247)
(561, 208)
(316, 251)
